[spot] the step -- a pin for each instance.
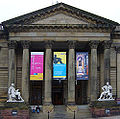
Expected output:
(61, 113)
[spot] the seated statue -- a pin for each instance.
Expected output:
(107, 93)
(14, 95)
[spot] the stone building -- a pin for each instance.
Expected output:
(60, 28)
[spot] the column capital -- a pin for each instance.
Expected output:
(117, 48)
(107, 44)
(71, 44)
(25, 44)
(12, 44)
(49, 44)
(94, 44)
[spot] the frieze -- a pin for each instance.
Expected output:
(94, 44)
(25, 44)
(12, 44)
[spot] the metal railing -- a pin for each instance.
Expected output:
(50, 112)
(72, 111)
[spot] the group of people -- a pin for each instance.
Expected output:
(36, 109)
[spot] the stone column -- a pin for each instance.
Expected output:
(106, 45)
(93, 70)
(118, 71)
(11, 69)
(71, 73)
(48, 73)
(25, 71)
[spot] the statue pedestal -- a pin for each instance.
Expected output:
(14, 110)
(104, 108)
(105, 99)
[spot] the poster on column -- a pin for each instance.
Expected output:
(59, 66)
(36, 66)
(82, 65)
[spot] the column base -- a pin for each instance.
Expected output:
(71, 103)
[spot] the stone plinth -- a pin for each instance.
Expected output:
(14, 111)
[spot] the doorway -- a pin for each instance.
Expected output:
(57, 93)
(81, 92)
(36, 92)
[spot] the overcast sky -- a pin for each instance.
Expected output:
(106, 8)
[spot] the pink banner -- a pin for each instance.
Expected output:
(36, 66)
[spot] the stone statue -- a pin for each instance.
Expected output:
(107, 93)
(14, 95)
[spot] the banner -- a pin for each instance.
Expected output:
(36, 66)
(82, 65)
(59, 65)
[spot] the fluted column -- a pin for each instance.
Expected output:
(11, 59)
(106, 45)
(25, 71)
(118, 71)
(71, 73)
(93, 70)
(48, 73)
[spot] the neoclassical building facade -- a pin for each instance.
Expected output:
(60, 28)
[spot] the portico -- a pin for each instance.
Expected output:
(64, 30)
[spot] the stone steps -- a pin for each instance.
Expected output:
(61, 113)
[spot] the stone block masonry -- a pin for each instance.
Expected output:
(7, 114)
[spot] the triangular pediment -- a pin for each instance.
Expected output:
(59, 14)
(60, 18)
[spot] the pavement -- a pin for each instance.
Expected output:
(112, 117)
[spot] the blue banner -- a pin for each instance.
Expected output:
(59, 66)
(82, 66)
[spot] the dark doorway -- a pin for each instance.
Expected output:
(81, 92)
(57, 93)
(35, 92)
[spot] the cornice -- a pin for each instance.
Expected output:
(59, 27)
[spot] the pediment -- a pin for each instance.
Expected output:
(60, 18)
(59, 14)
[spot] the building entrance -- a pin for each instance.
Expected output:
(36, 92)
(81, 92)
(57, 93)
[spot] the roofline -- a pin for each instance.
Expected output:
(90, 15)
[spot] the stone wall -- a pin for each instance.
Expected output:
(7, 114)
(3, 67)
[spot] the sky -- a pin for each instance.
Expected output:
(109, 9)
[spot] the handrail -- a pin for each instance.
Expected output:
(72, 111)
(50, 112)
